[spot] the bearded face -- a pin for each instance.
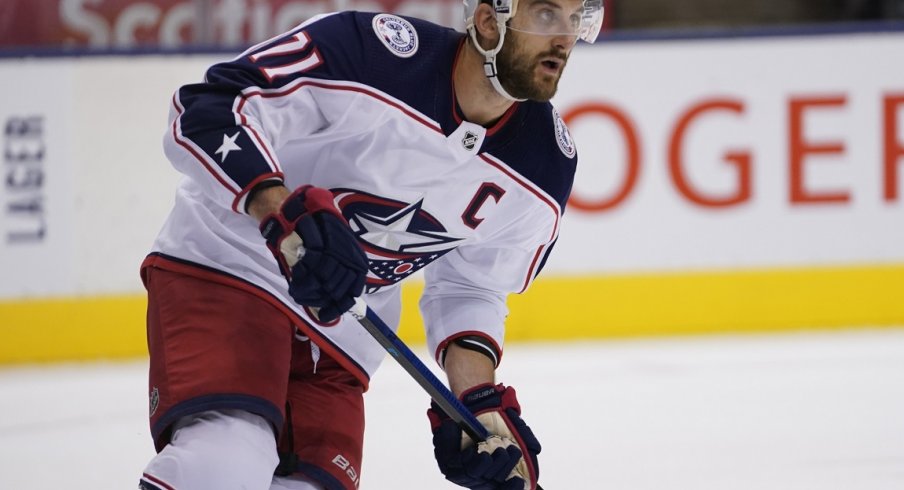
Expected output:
(528, 73)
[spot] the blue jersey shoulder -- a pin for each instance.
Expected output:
(407, 58)
(411, 60)
(385, 51)
(539, 147)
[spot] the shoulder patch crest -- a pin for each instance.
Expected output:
(397, 34)
(563, 137)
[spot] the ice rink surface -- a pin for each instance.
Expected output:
(814, 411)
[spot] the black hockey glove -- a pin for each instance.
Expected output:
(316, 252)
(498, 462)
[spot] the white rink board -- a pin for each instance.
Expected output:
(654, 84)
(107, 186)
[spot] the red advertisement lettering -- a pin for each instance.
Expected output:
(740, 159)
(633, 151)
(799, 149)
(894, 147)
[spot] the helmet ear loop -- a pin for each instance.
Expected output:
(489, 64)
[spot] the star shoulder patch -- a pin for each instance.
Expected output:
(397, 34)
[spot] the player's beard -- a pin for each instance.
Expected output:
(518, 71)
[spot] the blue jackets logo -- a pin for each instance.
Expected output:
(399, 238)
(397, 34)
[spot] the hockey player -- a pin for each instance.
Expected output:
(333, 162)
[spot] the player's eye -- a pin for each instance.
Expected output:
(546, 17)
(575, 21)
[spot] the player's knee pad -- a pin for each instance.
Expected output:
(216, 450)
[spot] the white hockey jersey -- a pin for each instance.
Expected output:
(363, 104)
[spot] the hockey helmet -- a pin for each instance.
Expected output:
(584, 24)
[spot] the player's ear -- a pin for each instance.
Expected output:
(485, 23)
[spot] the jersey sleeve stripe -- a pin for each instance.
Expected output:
(155, 483)
(533, 266)
(238, 204)
(542, 195)
(549, 201)
(346, 86)
(262, 144)
(197, 152)
(263, 147)
(537, 264)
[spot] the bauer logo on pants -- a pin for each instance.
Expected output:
(343, 463)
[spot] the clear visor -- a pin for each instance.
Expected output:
(547, 18)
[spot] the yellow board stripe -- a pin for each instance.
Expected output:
(715, 302)
(555, 308)
(44, 330)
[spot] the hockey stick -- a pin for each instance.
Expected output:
(421, 373)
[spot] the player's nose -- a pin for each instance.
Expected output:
(564, 42)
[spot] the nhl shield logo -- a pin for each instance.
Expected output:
(397, 34)
(469, 140)
(154, 401)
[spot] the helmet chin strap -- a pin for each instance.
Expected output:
(489, 64)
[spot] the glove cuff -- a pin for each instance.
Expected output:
(309, 199)
(306, 199)
(480, 393)
(478, 397)
(489, 397)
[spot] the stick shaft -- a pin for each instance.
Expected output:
(421, 373)
(424, 377)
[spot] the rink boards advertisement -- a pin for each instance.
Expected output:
(724, 185)
(116, 24)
